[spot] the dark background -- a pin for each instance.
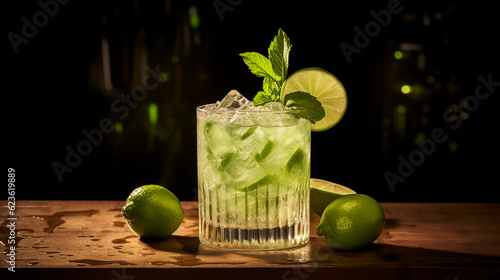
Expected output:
(55, 88)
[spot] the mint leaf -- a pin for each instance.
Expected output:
(305, 106)
(259, 65)
(262, 98)
(279, 51)
(271, 92)
(271, 88)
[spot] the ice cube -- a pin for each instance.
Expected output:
(232, 100)
(272, 106)
(275, 114)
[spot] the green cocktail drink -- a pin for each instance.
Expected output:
(253, 177)
(254, 156)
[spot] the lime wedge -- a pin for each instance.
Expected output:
(325, 87)
(324, 192)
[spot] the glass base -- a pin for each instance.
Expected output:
(253, 239)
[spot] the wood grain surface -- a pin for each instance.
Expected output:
(90, 240)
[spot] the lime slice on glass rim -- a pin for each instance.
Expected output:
(325, 87)
(324, 192)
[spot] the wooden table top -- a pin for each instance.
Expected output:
(90, 240)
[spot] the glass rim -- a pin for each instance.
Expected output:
(202, 108)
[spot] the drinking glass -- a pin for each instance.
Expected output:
(253, 178)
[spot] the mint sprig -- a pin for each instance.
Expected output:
(274, 70)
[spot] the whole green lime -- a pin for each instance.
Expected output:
(152, 211)
(351, 222)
